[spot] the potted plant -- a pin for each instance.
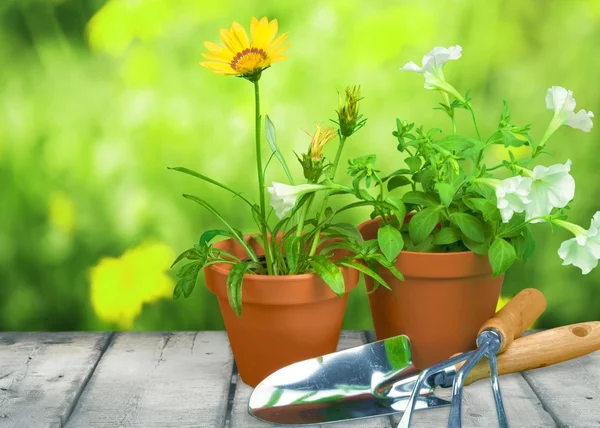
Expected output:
(467, 221)
(282, 291)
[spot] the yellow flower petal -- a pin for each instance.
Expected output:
(220, 51)
(240, 34)
(218, 67)
(263, 33)
(230, 41)
(275, 44)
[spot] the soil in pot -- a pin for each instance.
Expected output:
(441, 304)
(284, 319)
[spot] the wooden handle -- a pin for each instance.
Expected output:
(517, 315)
(542, 349)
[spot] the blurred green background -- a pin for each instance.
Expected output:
(99, 97)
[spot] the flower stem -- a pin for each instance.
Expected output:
(315, 242)
(480, 155)
(447, 101)
(261, 180)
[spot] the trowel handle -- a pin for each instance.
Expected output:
(516, 316)
(543, 349)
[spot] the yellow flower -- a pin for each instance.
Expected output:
(319, 139)
(242, 56)
(121, 286)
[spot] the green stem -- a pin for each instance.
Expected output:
(447, 101)
(261, 180)
(480, 155)
(513, 229)
(315, 242)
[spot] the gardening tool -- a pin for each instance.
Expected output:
(494, 337)
(376, 379)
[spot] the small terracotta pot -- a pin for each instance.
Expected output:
(285, 319)
(443, 301)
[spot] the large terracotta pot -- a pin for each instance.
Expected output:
(284, 319)
(441, 304)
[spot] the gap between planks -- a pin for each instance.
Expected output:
(85, 382)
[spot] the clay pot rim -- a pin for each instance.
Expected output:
(423, 254)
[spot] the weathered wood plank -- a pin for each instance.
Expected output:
(570, 391)
(523, 408)
(163, 380)
(42, 375)
(240, 418)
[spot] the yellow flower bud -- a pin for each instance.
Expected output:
(318, 140)
(348, 113)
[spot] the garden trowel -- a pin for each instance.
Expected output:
(377, 379)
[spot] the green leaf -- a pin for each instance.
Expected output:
(330, 273)
(458, 144)
(446, 236)
(177, 291)
(364, 269)
(514, 227)
(347, 230)
(413, 162)
(400, 171)
(502, 255)
(524, 244)
(379, 258)
(189, 275)
(486, 207)
(187, 254)
(234, 234)
(470, 225)
(476, 247)
(446, 193)
(418, 198)
(390, 242)
(426, 246)
(234, 286)
(210, 180)
(423, 223)
(398, 181)
(272, 140)
(399, 207)
(210, 234)
(293, 248)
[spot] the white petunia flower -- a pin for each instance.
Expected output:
(435, 59)
(552, 187)
(284, 196)
(513, 196)
(432, 68)
(562, 102)
(582, 251)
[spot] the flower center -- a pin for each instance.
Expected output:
(249, 60)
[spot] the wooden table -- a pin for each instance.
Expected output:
(189, 379)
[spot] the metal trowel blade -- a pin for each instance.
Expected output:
(371, 380)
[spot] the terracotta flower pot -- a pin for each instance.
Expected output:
(284, 319)
(441, 304)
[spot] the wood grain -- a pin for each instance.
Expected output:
(517, 315)
(570, 391)
(162, 380)
(42, 375)
(544, 349)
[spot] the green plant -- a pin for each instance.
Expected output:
(298, 242)
(455, 201)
